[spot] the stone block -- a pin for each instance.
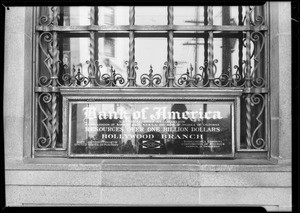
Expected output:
(150, 196)
(284, 18)
(245, 196)
(54, 178)
(143, 178)
(245, 179)
(13, 137)
(43, 195)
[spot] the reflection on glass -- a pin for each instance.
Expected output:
(150, 15)
(151, 128)
(227, 15)
(102, 16)
(75, 16)
(113, 51)
(188, 15)
(113, 15)
(74, 53)
(188, 52)
(150, 51)
(226, 51)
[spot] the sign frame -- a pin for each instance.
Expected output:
(232, 97)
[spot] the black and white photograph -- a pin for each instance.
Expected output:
(148, 105)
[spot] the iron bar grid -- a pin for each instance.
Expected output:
(251, 37)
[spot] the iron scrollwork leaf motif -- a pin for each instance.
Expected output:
(204, 70)
(228, 79)
(112, 79)
(47, 20)
(258, 20)
(153, 80)
(259, 143)
(46, 40)
(167, 72)
(258, 38)
(94, 71)
(77, 79)
(133, 77)
(44, 141)
(47, 37)
(189, 80)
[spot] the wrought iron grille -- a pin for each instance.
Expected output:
(248, 34)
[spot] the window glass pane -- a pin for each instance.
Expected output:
(228, 15)
(113, 51)
(226, 51)
(75, 16)
(150, 52)
(82, 15)
(113, 15)
(188, 52)
(189, 15)
(76, 53)
(151, 15)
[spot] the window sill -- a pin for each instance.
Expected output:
(237, 165)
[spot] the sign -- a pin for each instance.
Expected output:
(152, 128)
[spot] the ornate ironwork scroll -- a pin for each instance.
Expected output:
(46, 20)
(260, 142)
(151, 80)
(248, 81)
(112, 79)
(229, 80)
(48, 43)
(189, 80)
(45, 40)
(45, 140)
(259, 42)
(76, 79)
(259, 20)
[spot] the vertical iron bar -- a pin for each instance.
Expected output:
(196, 46)
(92, 48)
(34, 111)
(266, 74)
(226, 46)
(241, 42)
(205, 46)
(55, 68)
(210, 49)
(96, 20)
(248, 82)
(131, 74)
(170, 47)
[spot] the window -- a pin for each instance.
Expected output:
(96, 65)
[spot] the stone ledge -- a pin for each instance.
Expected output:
(240, 165)
(148, 178)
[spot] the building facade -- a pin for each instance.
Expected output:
(77, 165)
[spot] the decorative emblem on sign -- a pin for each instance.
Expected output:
(151, 144)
